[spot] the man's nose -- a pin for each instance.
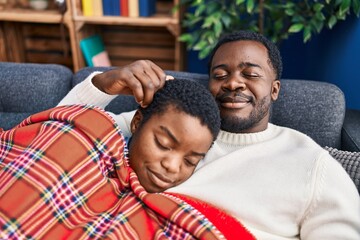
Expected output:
(172, 163)
(235, 82)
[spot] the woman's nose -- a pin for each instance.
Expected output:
(171, 163)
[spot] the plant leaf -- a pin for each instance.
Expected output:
(356, 7)
(238, 2)
(250, 6)
(289, 11)
(320, 16)
(199, 10)
(345, 6)
(307, 34)
(297, 27)
(332, 21)
(318, 7)
(200, 45)
(226, 20)
(218, 28)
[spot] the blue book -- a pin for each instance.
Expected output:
(147, 8)
(107, 7)
(116, 7)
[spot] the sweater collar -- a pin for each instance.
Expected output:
(246, 138)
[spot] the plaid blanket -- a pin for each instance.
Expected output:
(64, 174)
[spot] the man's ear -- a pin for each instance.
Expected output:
(275, 90)
(136, 121)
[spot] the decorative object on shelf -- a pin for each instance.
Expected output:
(3, 4)
(94, 52)
(61, 4)
(207, 20)
(38, 4)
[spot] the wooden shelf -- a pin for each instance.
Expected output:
(154, 21)
(126, 38)
(29, 15)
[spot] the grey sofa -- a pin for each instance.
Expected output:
(314, 108)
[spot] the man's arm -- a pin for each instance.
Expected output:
(141, 78)
(334, 212)
(86, 93)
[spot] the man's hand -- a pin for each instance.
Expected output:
(141, 79)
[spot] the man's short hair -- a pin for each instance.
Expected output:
(273, 51)
(189, 97)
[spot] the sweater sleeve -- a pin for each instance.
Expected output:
(334, 212)
(86, 93)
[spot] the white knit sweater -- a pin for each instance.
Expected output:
(279, 183)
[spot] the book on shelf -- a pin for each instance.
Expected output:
(147, 8)
(124, 8)
(111, 7)
(116, 7)
(107, 10)
(94, 52)
(97, 7)
(133, 8)
(87, 8)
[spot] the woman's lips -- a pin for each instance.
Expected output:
(160, 180)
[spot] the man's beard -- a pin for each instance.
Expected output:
(236, 124)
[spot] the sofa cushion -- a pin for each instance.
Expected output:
(350, 161)
(28, 88)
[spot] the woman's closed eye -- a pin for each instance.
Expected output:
(192, 162)
(161, 145)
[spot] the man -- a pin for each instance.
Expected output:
(277, 181)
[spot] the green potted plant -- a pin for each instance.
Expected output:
(207, 20)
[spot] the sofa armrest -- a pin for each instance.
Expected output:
(350, 162)
(350, 135)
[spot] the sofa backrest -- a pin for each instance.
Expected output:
(27, 88)
(314, 108)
